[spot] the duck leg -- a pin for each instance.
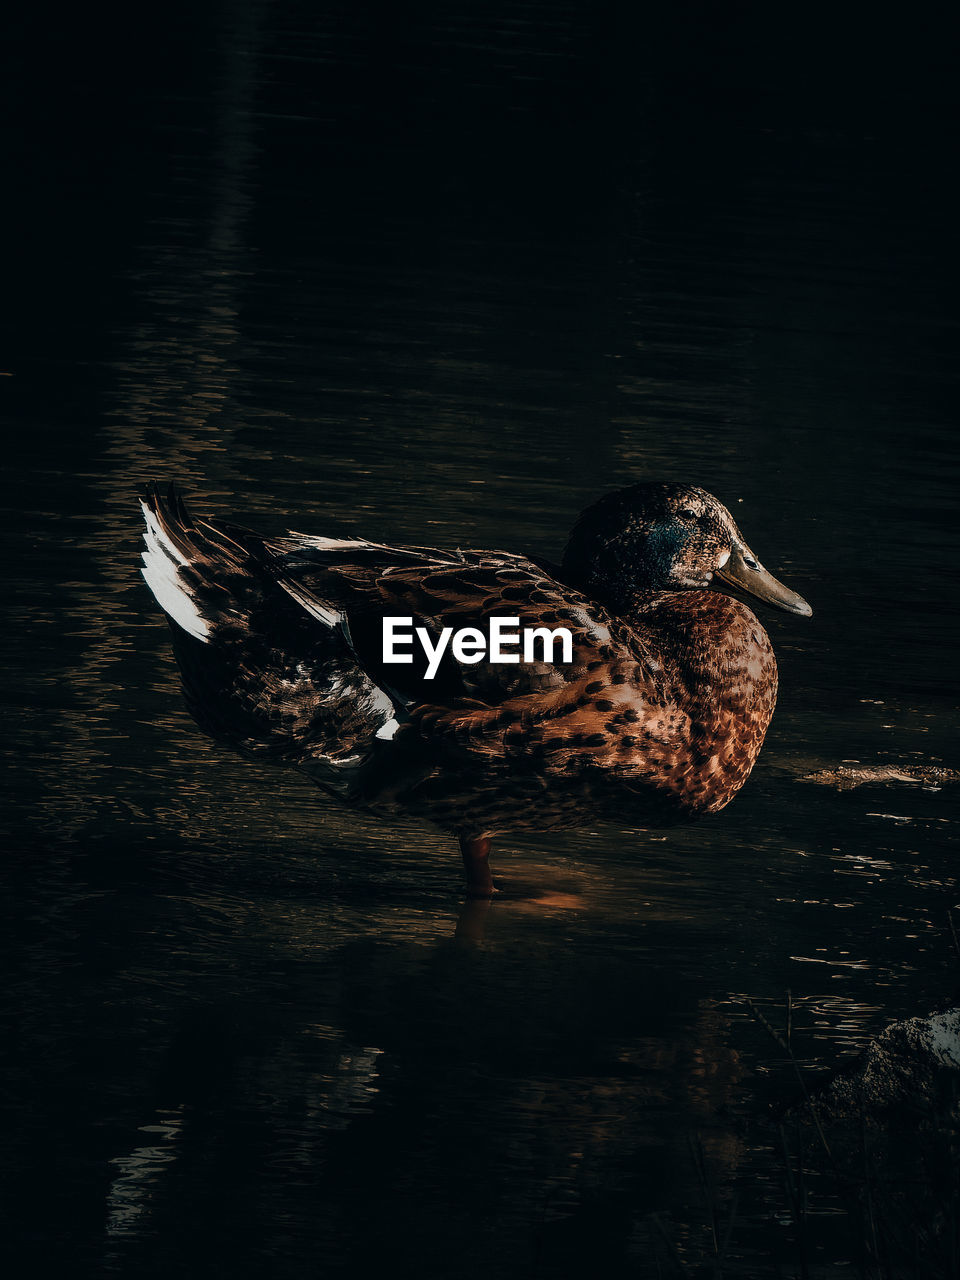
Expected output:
(476, 863)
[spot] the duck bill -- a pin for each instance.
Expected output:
(745, 571)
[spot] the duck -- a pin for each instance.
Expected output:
(654, 715)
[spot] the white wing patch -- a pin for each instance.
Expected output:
(426, 555)
(316, 543)
(324, 613)
(162, 562)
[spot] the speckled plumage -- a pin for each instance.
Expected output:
(658, 719)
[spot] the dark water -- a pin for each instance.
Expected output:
(445, 277)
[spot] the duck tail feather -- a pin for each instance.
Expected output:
(167, 561)
(262, 678)
(317, 608)
(202, 574)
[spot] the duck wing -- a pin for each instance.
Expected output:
(436, 590)
(539, 710)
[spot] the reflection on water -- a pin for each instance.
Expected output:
(255, 1035)
(138, 1173)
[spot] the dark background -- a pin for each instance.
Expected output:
(445, 273)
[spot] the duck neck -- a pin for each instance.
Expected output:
(624, 597)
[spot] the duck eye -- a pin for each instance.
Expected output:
(689, 514)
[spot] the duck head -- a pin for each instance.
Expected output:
(666, 537)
